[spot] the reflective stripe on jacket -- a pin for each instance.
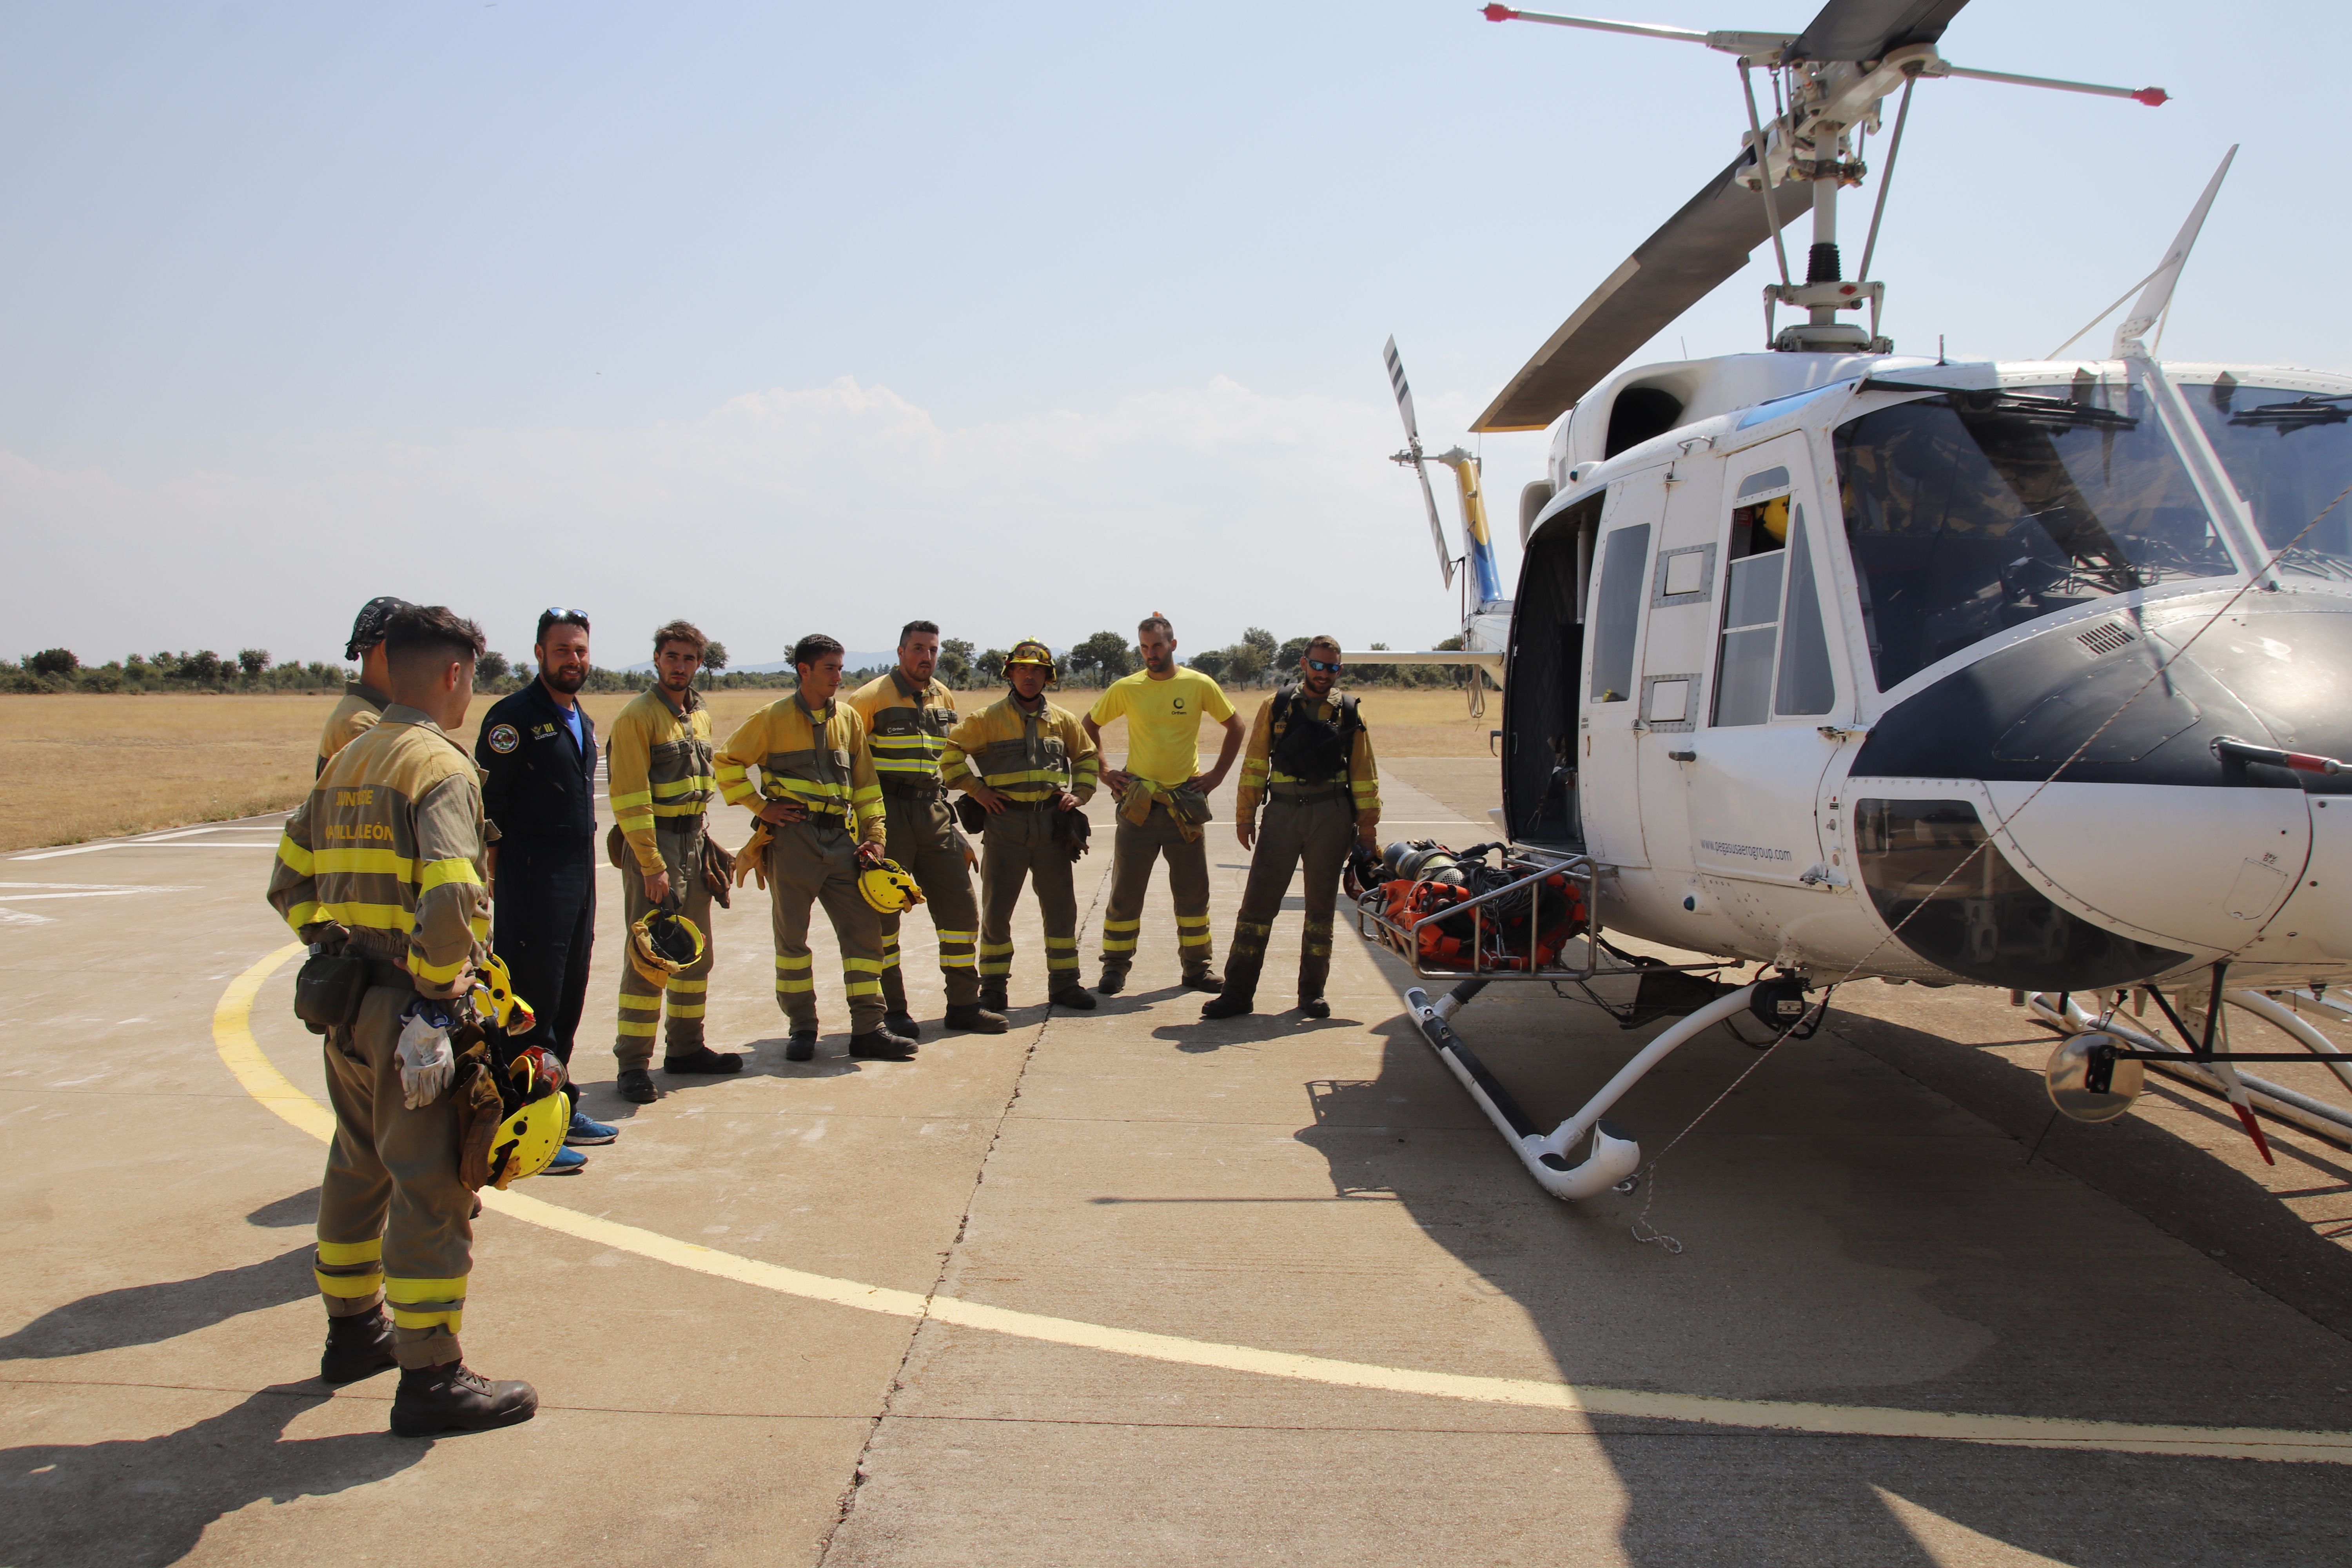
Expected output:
(818, 760)
(658, 768)
(388, 844)
(1023, 755)
(905, 730)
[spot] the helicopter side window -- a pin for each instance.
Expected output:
(1970, 512)
(1617, 615)
(2288, 453)
(1772, 612)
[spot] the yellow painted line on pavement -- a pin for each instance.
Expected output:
(233, 1036)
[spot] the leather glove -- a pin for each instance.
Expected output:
(426, 1060)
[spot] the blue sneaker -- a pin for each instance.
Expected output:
(587, 1130)
(567, 1162)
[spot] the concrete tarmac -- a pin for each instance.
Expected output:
(922, 1332)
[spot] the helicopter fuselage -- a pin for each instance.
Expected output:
(1877, 664)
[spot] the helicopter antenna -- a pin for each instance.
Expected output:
(2156, 297)
(1411, 455)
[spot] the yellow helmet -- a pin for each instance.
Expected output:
(528, 1138)
(661, 943)
(495, 1001)
(1029, 650)
(890, 888)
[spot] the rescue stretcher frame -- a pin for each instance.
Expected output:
(1614, 1156)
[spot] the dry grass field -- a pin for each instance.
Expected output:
(77, 767)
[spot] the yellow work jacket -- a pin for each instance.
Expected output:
(905, 730)
(389, 845)
(657, 770)
(1023, 755)
(1259, 778)
(355, 714)
(818, 760)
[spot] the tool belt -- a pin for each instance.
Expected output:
(334, 980)
(912, 789)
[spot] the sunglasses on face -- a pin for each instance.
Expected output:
(1325, 666)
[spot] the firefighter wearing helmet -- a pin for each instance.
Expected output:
(1030, 766)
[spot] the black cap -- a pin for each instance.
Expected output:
(367, 627)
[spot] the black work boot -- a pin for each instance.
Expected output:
(450, 1398)
(902, 1024)
(977, 1018)
(357, 1346)
(1203, 980)
(636, 1084)
(881, 1046)
(1074, 996)
(801, 1047)
(1112, 982)
(703, 1059)
(1315, 1006)
(1228, 1003)
(993, 998)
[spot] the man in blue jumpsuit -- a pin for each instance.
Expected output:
(538, 749)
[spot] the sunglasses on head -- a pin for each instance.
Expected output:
(558, 613)
(1326, 666)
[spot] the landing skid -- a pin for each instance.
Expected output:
(2330, 1121)
(1613, 1156)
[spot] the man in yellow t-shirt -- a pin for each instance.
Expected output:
(1162, 801)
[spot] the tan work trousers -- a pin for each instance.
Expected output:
(1019, 846)
(688, 990)
(816, 862)
(1133, 850)
(1316, 830)
(922, 838)
(394, 1222)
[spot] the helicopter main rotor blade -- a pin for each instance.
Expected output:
(1669, 272)
(1404, 390)
(1867, 29)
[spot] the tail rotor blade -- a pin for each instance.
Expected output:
(1404, 401)
(1436, 529)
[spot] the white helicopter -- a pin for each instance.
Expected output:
(1864, 664)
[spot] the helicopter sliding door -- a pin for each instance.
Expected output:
(1543, 694)
(1758, 759)
(1608, 793)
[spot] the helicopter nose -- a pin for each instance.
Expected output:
(2088, 751)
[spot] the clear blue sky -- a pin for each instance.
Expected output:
(1020, 318)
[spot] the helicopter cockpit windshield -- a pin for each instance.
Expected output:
(2288, 452)
(1969, 512)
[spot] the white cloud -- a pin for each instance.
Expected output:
(844, 508)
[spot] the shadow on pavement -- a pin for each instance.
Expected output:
(1857, 1234)
(149, 1500)
(150, 1314)
(301, 1209)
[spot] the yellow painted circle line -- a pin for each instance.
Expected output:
(233, 1036)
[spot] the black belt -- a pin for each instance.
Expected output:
(913, 789)
(1010, 804)
(1305, 792)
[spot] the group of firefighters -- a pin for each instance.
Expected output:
(388, 871)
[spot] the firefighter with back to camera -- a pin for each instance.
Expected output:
(381, 871)
(362, 700)
(819, 840)
(538, 755)
(659, 775)
(1031, 767)
(1310, 759)
(907, 715)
